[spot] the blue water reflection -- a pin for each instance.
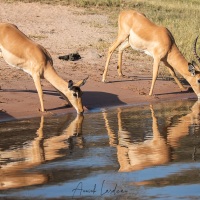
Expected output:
(143, 152)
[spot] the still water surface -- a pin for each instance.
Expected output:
(140, 152)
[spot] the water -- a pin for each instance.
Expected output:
(140, 152)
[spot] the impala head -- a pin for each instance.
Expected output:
(195, 71)
(75, 95)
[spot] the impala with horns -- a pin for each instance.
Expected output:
(137, 31)
(21, 52)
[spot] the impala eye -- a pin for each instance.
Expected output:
(74, 94)
(198, 81)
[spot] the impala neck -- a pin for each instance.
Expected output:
(178, 61)
(51, 75)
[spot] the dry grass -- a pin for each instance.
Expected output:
(181, 17)
(80, 3)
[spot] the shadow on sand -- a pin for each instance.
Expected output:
(5, 116)
(91, 99)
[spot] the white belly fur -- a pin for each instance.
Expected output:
(13, 60)
(139, 44)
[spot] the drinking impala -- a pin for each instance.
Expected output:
(137, 31)
(21, 52)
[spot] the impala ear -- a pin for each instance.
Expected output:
(191, 68)
(82, 82)
(70, 84)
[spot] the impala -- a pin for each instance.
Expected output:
(135, 30)
(21, 52)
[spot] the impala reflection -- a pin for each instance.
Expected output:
(156, 150)
(15, 163)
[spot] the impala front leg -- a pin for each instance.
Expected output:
(38, 86)
(110, 52)
(173, 74)
(155, 74)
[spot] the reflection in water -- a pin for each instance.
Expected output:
(181, 128)
(123, 148)
(155, 150)
(13, 174)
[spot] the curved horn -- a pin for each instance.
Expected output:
(194, 49)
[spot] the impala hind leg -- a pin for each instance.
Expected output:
(122, 47)
(112, 48)
(155, 74)
(38, 86)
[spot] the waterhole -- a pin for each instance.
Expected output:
(138, 152)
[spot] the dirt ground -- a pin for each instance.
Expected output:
(63, 30)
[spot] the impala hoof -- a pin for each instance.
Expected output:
(42, 111)
(121, 75)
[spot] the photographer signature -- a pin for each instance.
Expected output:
(101, 190)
